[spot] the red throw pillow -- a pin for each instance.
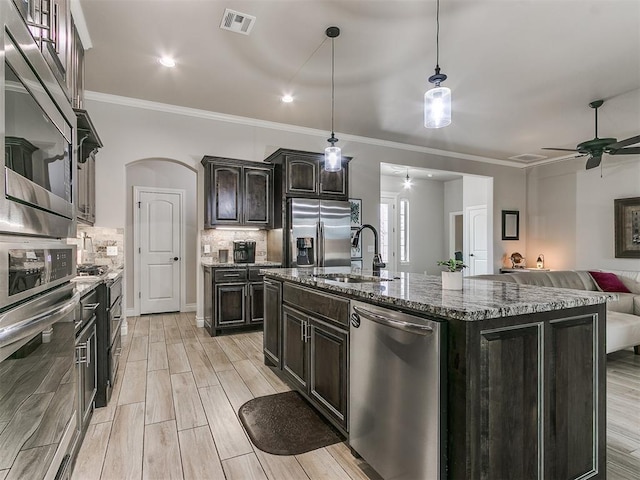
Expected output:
(609, 282)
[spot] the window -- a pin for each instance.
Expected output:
(403, 224)
(384, 232)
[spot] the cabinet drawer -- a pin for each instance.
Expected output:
(231, 275)
(323, 304)
(255, 275)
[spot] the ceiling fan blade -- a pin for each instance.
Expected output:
(626, 151)
(624, 143)
(593, 161)
(561, 149)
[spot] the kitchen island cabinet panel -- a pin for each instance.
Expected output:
(272, 322)
(294, 347)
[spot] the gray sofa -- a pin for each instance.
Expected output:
(623, 315)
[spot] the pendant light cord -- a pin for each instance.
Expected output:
(332, 83)
(438, 34)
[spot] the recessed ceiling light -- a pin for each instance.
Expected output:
(287, 98)
(167, 61)
(429, 175)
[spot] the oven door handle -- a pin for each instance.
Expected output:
(37, 323)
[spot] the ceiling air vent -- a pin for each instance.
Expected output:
(237, 22)
(527, 158)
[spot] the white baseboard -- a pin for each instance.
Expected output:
(199, 322)
(189, 307)
(124, 329)
(130, 312)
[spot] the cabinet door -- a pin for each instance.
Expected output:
(272, 305)
(294, 346)
(256, 303)
(328, 368)
(333, 184)
(257, 202)
(91, 371)
(230, 304)
(302, 175)
(225, 199)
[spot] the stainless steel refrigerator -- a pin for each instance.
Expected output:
(319, 233)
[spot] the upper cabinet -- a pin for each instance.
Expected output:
(54, 31)
(88, 144)
(302, 174)
(237, 193)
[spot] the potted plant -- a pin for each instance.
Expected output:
(452, 276)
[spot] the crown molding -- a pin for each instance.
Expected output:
(223, 117)
(81, 24)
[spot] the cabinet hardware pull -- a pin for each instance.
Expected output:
(302, 331)
(90, 306)
(231, 274)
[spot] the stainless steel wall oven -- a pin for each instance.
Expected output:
(37, 187)
(38, 380)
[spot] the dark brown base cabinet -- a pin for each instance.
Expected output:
(314, 347)
(233, 298)
(525, 395)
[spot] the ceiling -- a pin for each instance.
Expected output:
(521, 72)
(414, 173)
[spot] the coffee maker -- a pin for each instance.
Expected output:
(305, 254)
(244, 251)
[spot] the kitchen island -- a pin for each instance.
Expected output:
(521, 393)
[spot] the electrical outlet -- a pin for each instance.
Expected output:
(207, 248)
(112, 251)
(370, 249)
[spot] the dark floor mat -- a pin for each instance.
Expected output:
(285, 424)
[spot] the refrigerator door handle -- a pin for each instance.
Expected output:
(321, 244)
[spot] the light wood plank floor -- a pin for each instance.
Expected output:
(172, 414)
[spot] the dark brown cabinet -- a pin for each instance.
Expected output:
(527, 396)
(302, 174)
(272, 322)
(238, 193)
(88, 144)
(314, 348)
(233, 298)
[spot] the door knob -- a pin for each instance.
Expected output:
(471, 255)
(175, 259)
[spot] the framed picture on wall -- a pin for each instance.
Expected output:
(356, 252)
(627, 227)
(356, 212)
(510, 224)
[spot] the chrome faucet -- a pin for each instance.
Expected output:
(377, 260)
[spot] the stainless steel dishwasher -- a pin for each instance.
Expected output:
(396, 406)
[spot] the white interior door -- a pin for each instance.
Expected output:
(159, 223)
(478, 240)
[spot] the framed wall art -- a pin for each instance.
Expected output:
(627, 227)
(510, 225)
(356, 212)
(356, 252)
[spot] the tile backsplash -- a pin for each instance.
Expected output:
(223, 240)
(102, 238)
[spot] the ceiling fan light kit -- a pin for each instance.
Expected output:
(437, 101)
(598, 146)
(332, 154)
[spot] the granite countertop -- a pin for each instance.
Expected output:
(209, 262)
(86, 283)
(479, 299)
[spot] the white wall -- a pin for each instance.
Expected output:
(571, 212)
(452, 203)
(132, 133)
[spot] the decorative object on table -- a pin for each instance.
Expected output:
(356, 212)
(510, 225)
(285, 424)
(627, 227)
(517, 260)
(356, 252)
(437, 101)
(452, 276)
(332, 154)
(540, 262)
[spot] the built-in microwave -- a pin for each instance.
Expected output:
(37, 187)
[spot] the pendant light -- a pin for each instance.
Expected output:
(407, 181)
(332, 154)
(437, 101)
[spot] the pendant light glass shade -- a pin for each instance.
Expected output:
(437, 107)
(332, 159)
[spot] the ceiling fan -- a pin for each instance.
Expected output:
(597, 146)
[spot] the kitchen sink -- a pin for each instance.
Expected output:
(348, 278)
